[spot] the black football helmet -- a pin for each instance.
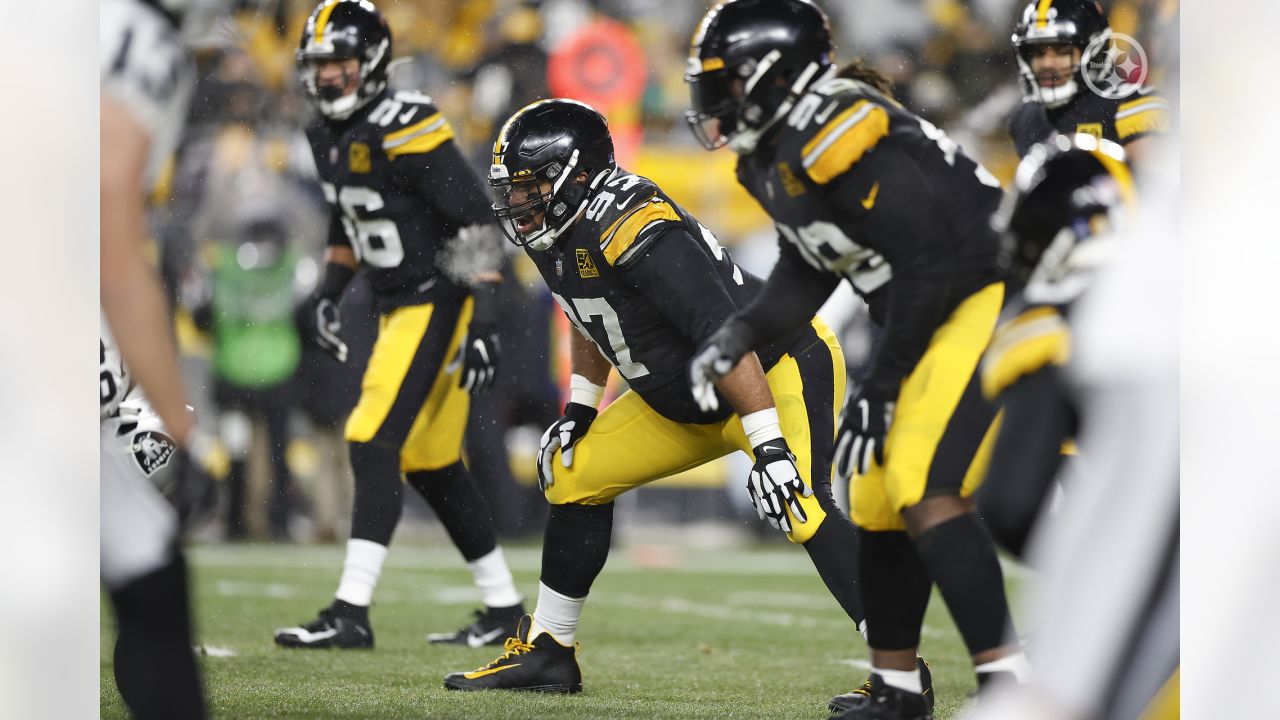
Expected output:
(537, 159)
(749, 63)
(338, 30)
(1079, 23)
(1070, 194)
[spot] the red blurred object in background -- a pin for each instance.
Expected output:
(604, 66)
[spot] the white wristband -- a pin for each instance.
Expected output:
(584, 392)
(761, 426)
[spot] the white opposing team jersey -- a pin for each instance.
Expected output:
(145, 67)
(114, 383)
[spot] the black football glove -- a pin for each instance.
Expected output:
(864, 423)
(478, 358)
(190, 483)
(563, 435)
(320, 323)
(775, 484)
(716, 358)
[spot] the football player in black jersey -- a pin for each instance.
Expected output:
(1070, 195)
(643, 282)
(1066, 61)
(410, 212)
(863, 190)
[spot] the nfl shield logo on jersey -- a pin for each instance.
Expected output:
(152, 450)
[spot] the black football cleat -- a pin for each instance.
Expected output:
(330, 630)
(841, 703)
(885, 702)
(540, 665)
(491, 627)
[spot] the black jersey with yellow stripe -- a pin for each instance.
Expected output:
(603, 276)
(399, 188)
(818, 177)
(1118, 120)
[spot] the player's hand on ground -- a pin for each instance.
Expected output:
(864, 423)
(563, 435)
(716, 358)
(775, 485)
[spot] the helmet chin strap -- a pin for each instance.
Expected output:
(745, 140)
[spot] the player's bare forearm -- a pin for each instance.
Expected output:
(585, 359)
(132, 299)
(745, 387)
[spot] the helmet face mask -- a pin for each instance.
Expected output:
(1070, 195)
(548, 161)
(1077, 23)
(341, 30)
(751, 60)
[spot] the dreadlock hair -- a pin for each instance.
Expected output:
(859, 69)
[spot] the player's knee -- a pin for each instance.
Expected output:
(933, 511)
(1008, 520)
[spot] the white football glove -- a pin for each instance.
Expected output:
(563, 435)
(775, 485)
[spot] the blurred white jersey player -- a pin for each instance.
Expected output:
(146, 79)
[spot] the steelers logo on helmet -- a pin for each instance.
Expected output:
(548, 161)
(336, 32)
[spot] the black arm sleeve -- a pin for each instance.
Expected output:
(680, 278)
(791, 296)
(1038, 417)
(337, 233)
(906, 227)
(444, 178)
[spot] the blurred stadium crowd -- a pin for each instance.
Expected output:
(240, 217)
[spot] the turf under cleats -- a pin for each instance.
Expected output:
(538, 665)
(841, 703)
(491, 626)
(886, 702)
(332, 629)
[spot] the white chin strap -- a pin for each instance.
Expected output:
(1050, 97)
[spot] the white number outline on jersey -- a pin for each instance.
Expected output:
(825, 246)
(361, 231)
(579, 313)
(949, 148)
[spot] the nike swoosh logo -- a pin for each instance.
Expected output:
(404, 116)
(306, 636)
(490, 671)
(869, 201)
(623, 204)
(475, 641)
(770, 448)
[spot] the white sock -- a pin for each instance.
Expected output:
(360, 571)
(556, 615)
(493, 577)
(1015, 665)
(908, 680)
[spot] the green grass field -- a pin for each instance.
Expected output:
(709, 634)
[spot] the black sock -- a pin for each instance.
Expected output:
(346, 609)
(834, 552)
(961, 558)
(155, 664)
(576, 547)
(895, 589)
(379, 494)
(463, 511)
